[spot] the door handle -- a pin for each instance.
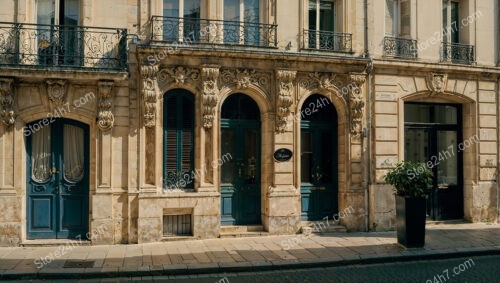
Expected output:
(53, 170)
(56, 190)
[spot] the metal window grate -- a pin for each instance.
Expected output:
(177, 225)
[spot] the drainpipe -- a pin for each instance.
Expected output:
(367, 132)
(497, 170)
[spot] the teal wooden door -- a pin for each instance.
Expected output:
(57, 180)
(319, 165)
(240, 176)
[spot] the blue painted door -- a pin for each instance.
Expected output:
(57, 179)
(319, 159)
(240, 174)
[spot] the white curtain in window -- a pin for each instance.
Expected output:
(73, 153)
(40, 155)
(390, 17)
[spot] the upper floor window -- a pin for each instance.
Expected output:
(397, 18)
(450, 21)
(242, 17)
(182, 8)
(57, 12)
(242, 11)
(182, 18)
(321, 15)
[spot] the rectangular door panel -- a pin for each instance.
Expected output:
(72, 213)
(41, 213)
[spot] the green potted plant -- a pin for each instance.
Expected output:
(411, 181)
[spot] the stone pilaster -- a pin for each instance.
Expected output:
(7, 101)
(105, 117)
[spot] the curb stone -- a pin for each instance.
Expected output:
(183, 269)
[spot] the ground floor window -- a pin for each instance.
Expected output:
(178, 140)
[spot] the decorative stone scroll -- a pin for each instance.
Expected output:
(437, 82)
(244, 78)
(149, 86)
(56, 90)
(7, 101)
(210, 90)
(105, 117)
(285, 82)
(356, 104)
(181, 74)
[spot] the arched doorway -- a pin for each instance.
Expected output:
(318, 158)
(240, 176)
(57, 179)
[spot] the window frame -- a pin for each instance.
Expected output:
(447, 36)
(397, 19)
(318, 15)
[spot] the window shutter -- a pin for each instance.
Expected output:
(389, 17)
(187, 135)
(170, 142)
(178, 140)
(405, 17)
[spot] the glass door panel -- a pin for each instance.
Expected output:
(447, 173)
(231, 24)
(228, 171)
(417, 147)
(171, 24)
(250, 156)
(306, 156)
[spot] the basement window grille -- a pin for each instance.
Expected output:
(177, 225)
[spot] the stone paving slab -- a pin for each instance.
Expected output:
(247, 254)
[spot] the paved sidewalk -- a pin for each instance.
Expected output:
(244, 254)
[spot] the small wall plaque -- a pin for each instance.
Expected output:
(283, 154)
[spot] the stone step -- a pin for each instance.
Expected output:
(242, 228)
(321, 227)
(55, 243)
(242, 231)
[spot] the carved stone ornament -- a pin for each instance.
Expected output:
(105, 117)
(56, 90)
(243, 78)
(181, 74)
(7, 101)
(356, 104)
(149, 86)
(285, 81)
(323, 81)
(210, 90)
(437, 82)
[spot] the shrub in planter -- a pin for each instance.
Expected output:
(410, 181)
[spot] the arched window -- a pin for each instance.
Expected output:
(178, 140)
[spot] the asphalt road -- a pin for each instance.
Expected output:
(476, 269)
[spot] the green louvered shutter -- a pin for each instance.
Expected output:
(178, 140)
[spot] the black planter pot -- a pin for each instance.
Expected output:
(410, 221)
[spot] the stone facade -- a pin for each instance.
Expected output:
(367, 89)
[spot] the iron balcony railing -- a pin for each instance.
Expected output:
(327, 40)
(398, 47)
(457, 53)
(204, 31)
(42, 46)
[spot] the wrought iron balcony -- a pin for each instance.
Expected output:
(457, 53)
(398, 47)
(327, 40)
(42, 46)
(203, 31)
